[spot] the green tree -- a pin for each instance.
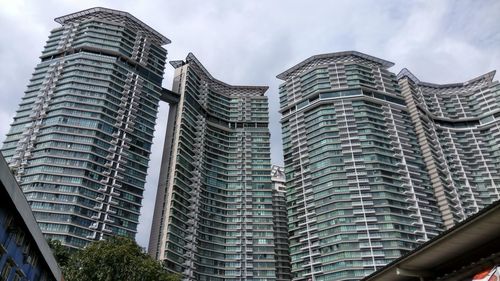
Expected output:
(114, 259)
(61, 253)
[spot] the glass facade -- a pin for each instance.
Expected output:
(215, 219)
(358, 195)
(81, 138)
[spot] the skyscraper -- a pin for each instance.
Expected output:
(458, 129)
(81, 138)
(214, 212)
(358, 194)
(281, 244)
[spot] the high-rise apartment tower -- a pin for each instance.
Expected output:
(358, 194)
(214, 211)
(81, 138)
(458, 130)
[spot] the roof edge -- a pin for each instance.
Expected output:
(382, 62)
(406, 73)
(63, 19)
(192, 58)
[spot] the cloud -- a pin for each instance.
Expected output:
(445, 41)
(250, 42)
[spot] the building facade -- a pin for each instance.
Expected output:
(358, 194)
(24, 253)
(81, 138)
(214, 212)
(281, 244)
(458, 130)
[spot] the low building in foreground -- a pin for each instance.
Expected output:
(24, 253)
(460, 253)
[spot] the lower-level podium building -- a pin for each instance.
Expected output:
(24, 253)
(461, 253)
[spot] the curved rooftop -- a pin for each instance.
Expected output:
(106, 13)
(406, 73)
(284, 75)
(191, 58)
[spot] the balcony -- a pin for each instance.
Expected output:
(105, 229)
(108, 219)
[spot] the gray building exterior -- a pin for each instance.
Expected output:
(358, 195)
(80, 141)
(214, 211)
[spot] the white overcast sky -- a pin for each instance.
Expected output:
(250, 42)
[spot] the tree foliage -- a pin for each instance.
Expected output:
(117, 258)
(61, 253)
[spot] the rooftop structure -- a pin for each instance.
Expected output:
(311, 61)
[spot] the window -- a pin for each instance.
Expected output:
(18, 276)
(6, 270)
